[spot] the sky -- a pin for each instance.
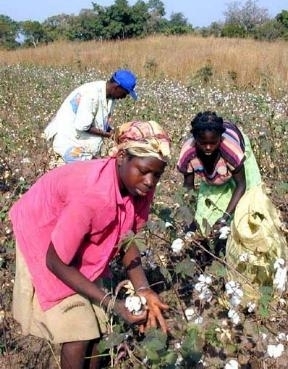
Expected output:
(199, 13)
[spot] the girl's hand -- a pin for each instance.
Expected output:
(130, 318)
(154, 310)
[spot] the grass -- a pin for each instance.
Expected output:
(178, 77)
(250, 63)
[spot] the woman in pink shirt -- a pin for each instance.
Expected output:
(69, 226)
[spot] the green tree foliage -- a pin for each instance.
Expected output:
(122, 21)
(83, 27)
(283, 18)
(178, 24)
(233, 30)
(156, 12)
(271, 30)
(58, 27)
(33, 33)
(9, 30)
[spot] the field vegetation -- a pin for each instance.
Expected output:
(178, 76)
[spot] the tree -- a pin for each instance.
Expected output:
(57, 27)
(32, 32)
(245, 18)
(271, 30)
(9, 30)
(283, 18)
(120, 21)
(178, 24)
(83, 27)
(156, 11)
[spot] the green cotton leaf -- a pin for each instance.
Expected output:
(113, 339)
(217, 269)
(141, 244)
(281, 188)
(185, 268)
(171, 358)
(152, 355)
(155, 340)
(133, 239)
(265, 299)
(166, 274)
(192, 346)
(185, 214)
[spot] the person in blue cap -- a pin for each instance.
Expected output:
(83, 120)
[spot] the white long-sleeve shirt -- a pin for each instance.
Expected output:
(84, 107)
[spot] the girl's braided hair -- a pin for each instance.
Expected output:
(207, 121)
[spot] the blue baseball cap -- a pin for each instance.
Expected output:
(127, 80)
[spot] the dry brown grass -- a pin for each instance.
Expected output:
(177, 57)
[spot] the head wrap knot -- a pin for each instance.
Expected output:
(142, 139)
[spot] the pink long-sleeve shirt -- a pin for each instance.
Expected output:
(80, 209)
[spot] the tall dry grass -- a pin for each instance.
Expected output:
(250, 62)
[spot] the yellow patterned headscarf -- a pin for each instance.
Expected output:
(142, 139)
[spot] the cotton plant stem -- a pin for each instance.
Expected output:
(180, 303)
(222, 262)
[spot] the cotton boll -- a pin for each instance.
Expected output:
(205, 279)
(244, 258)
(134, 304)
(275, 350)
(232, 364)
(168, 225)
(224, 232)
(234, 316)
(231, 286)
(189, 236)
(177, 245)
(198, 320)
(251, 307)
(189, 313)
(206, 295)
(280, 278)
(235, 300)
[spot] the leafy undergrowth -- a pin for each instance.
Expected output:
(187, 270)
